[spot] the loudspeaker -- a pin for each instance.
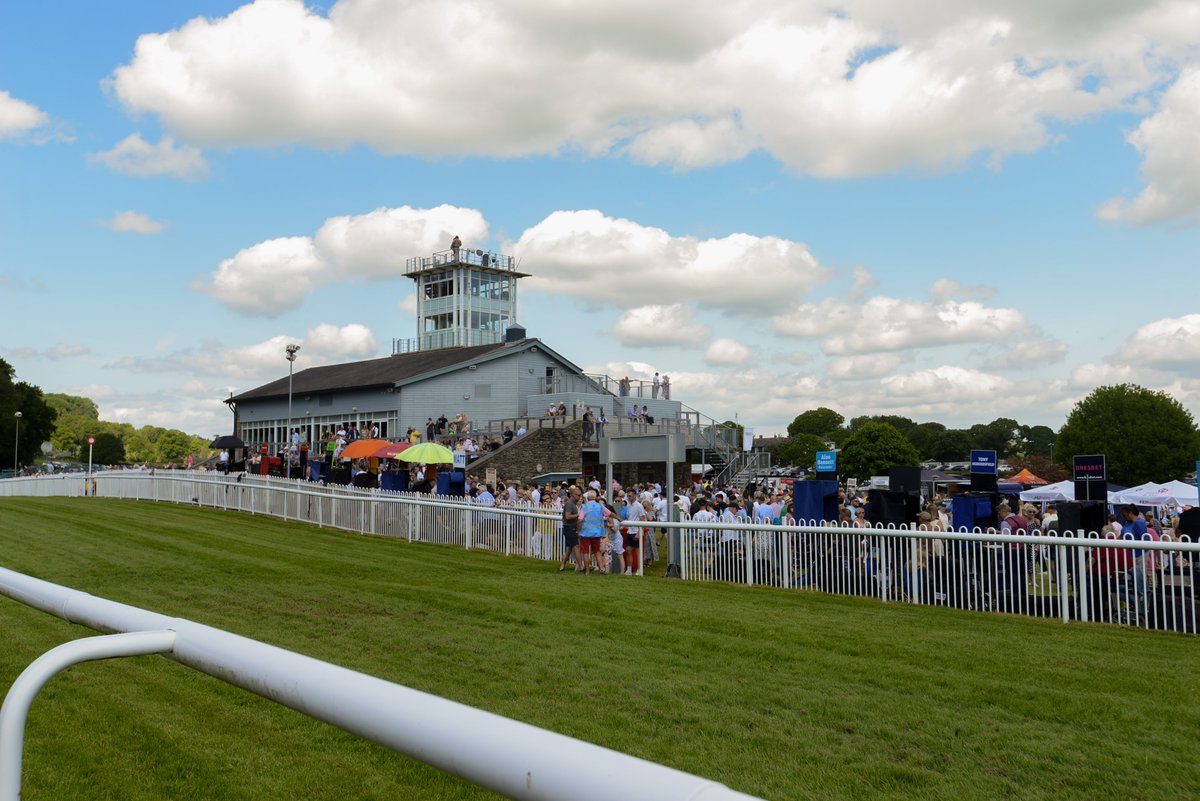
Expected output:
(905, 479)
(973, 510)
(394, 481)
(1091, 516)
(892, 507)
(983, 482)
(1189, 524)
(1091, 490)
(451, 483)
(815, 500)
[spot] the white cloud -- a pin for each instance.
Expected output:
(18, 117)
(1091, 375)
(1168, 141)
(1169, 343)
(135, 156)
(134, 223)
(376, 244)
(862, 283)
(1029, 355)
(948, 382)
(261, 361)
(54, 353)
(654, 325)
(868, 89)
(889, 324)
(727, 352)
(407, 304)
(269, 278)
(277, 276)
(948, 289)
(876, 365)
(600, 258)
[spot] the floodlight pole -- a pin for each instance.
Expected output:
(291, 357)
(16, 442)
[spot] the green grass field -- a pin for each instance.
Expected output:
(786, 695)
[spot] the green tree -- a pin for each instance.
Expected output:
(953, 445)
(923, 437)
(73, 404)
(109, 449)
(820, 421)
(800, 450)
(1144, 435)
(173, 446)
(1002, 435)
(874, 448)
(1037, 441)
(34, 425)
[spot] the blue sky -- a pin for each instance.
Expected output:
(978, 209)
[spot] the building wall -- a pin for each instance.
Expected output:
(488, 392)
(495, 390)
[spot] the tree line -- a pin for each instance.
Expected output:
(1146, 436)
(66, 422)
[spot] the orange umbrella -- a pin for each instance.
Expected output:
(362, 448)
(391, 450)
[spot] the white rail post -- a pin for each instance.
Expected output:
(1064, 592)
(23, 691)
(1083, 587)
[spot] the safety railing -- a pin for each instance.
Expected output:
(1075, 577)
(512, 758)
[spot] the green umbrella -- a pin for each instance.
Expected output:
(428, 453)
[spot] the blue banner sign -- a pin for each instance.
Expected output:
(983, 462)
(826, 461)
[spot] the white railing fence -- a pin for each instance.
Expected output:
(1074, 577)
(512, 758)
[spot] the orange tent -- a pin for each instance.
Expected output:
(1025, 477)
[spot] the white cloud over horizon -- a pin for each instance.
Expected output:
(1167, 141)
(18, 117)
(277, 276)
(657, 325)
(868, 91)
(261, 361)
(883, 324)
(132, 222)
(133, 155)
(592, 256)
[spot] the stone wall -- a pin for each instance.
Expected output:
(557, 450)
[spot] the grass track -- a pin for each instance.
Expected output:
(786, 695)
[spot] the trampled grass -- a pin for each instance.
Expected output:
(779, 694)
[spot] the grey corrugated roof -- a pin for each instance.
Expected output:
(374, 372)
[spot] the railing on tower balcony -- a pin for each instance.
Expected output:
(449, 338)
(474, 257)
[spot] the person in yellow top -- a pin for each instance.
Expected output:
(414, 436)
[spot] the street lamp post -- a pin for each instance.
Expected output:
(291, 357)
(16, 441)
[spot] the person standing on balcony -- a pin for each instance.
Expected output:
(666, 387)
(455, 246)
(654, 385)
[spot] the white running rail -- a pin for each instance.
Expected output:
(512, 758)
